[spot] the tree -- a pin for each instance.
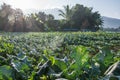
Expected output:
(19, 21)
(51, 23)
(81, 18)
(14, 20)
(33, 23)
(11, 19)
(42, 22)
(84, 18)
(50, 17)
(5, 12)
(66, 14)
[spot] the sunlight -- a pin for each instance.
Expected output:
(23, 4)
(35, 4)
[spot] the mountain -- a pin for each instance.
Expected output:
(110, 22)
(107, 21)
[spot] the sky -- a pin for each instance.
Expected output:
(109, 8)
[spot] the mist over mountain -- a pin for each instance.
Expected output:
(108, 21)
(111, 22)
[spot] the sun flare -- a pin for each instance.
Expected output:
(22, 4)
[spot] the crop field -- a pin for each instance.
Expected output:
(60, 56)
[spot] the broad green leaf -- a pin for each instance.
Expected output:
(52, 60)
(61, 64)
(81, 57)
(6, 72)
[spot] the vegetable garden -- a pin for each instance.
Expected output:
(60, 56)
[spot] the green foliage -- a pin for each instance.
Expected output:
(50, 56)
(13, 20)
(5, 47)
(77, 17)
(81, 18)
(81, 57)
(6, 72)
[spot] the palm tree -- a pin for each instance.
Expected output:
(66, 14)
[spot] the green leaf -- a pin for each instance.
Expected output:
(81, 57)
(6, 72)
(61, 64)
(21, 65)
(32, 76)
(52, 60)
(105, 56)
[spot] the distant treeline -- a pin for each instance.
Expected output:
(76, 18)
(112, 29)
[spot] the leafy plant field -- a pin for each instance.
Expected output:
(60, 56)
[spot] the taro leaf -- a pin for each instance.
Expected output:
(6, 72)
(26, 61)
(43, 77)
(45, 52)
(114, 78)
(44, 68)
(2, 60)
(94, 71)
(104, 57)
(32, 77)
(59, 68)
(108, 56)
(61, 79)
(70, 75)
(44, 57)
(0, 38)
(7, 47)
(52, 60)
(54, 75)
(60, 64)
(81, 57)
(21, 65)
(21, 55)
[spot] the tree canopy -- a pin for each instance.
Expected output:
(77, 17)
(81, 18)
(14, 20)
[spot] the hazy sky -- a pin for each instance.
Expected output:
(110, 8)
